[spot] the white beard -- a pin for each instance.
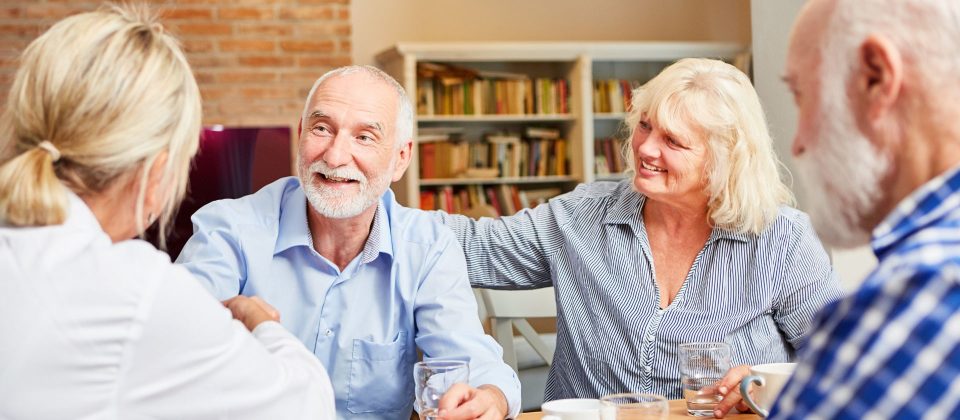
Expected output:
(841, 174)
(336, 204)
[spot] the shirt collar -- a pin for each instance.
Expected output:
(379, 240)
(627, 211)
(294, 230)
(82, 217)
(921, 208)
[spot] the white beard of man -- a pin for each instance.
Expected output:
(336, 204)
(841, 172)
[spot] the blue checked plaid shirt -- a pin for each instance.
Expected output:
(892, 349)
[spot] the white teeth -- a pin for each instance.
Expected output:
(649, 167)
(337, 179)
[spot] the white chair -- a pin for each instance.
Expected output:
(530, 354)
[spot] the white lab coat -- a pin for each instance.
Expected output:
(90, 329)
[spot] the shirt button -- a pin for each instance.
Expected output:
(650, 337)
(328, 333)
(646, 369)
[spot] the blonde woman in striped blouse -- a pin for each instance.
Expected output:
(697, 244)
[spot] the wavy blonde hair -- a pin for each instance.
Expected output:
(717, 101)
(112, 92)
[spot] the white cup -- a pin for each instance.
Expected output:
(571, 409)
(770, 379)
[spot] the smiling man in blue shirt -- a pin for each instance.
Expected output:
(362, 281)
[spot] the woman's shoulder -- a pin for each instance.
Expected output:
(597, 200)
(789, 226)
(597, 192)
(137, 259)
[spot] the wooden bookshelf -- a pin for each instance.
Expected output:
(498, 180)
(616, 116)
(579, 64)
(467, 119)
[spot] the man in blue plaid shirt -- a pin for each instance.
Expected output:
(877, 83)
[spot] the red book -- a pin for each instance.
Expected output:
(493, 201)
(563, 96)
(427, 201)
(448, 198)
(427, 160)
(515, 197)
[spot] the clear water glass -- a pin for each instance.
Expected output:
(433, 378)
(702, 366)
(633, 406)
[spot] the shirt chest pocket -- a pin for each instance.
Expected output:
(381, 376)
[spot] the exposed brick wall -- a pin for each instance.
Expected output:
(254, 59)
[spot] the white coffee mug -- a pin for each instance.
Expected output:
(770, 379)
(571, 409)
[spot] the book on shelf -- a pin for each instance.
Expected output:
(608, 156)
(497, 155)
(433, 134)
(613, 95)
(504, 199)
(444, 89)
(542, 133)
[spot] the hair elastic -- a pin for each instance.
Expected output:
(50, 148)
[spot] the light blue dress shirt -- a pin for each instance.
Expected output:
(406, 290)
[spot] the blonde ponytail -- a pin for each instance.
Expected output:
(30, 192)
(111, 91)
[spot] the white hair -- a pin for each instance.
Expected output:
(716, 99)
(926, 33)
(404, 127)
(844, 170)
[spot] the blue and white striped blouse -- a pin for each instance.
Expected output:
(757, 293)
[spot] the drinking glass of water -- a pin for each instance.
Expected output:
(702, 366)
(433, 378)
(634, 407)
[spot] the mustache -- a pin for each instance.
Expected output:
(345, 172)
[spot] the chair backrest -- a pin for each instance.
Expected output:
(509, 309)
(533, 303)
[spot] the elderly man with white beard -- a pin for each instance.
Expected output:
(876, 85)
(362, 281)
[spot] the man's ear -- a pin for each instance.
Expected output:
(403, 160)
(878, 77)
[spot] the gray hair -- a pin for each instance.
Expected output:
(404, 127)
(926, 32)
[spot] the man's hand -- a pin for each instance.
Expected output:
(729, 387)
(251, 311)
(463, 402)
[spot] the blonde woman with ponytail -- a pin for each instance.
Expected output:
(101, 123)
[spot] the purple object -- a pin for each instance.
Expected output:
(231, 163)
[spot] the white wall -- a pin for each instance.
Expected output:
(771, 21)
(378, 24)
